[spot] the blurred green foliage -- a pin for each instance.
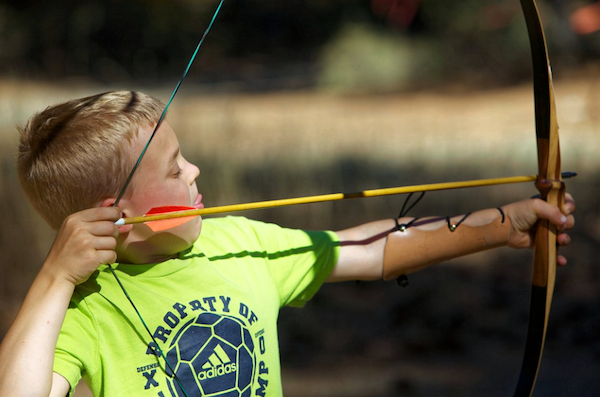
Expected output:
(268, 44)
(361, 57)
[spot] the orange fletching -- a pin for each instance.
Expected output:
(168, 223)
(168, 208)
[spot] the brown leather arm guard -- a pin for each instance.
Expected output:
(410, 249)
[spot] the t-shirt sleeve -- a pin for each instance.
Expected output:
(299, 261)
(77, 340)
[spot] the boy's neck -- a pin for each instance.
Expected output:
(155, 249)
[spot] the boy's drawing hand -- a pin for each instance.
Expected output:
(86, 240)
(525, 214)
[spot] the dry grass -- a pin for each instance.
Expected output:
(430, 127)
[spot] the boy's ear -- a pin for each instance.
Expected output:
(123, 207)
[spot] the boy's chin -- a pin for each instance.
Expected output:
(171, 246)
(182, 237)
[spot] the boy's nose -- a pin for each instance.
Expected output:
(194, 172)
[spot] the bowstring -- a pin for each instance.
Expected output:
(156, 347)
(130, 176)
(164, 112)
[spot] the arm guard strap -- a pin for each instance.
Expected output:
(410, 249)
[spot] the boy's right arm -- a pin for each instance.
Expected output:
(85, 241)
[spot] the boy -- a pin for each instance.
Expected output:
(208, 302)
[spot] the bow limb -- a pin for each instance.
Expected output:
(552, 190)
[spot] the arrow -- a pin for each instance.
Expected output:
(162, 218)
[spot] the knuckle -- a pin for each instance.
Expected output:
(70, 221)
(110, 257)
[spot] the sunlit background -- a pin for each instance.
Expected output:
(298, 97)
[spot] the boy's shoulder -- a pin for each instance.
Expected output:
(241, 230)
(237, 234)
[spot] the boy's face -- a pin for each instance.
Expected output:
(164, 177)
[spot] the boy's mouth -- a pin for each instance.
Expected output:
(198, 202)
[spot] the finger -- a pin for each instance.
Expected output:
(101, 214)
(563, 239)
(103, 228)
(561, 261)
(106, 256)
(570, 222)
(568, 225)
(105, 243)
(99, 256)
(569, 204)
(552, 213)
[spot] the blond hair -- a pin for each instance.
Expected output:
(75, 154)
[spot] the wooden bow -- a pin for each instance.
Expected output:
(552, 190)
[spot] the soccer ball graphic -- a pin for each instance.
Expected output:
(212, 356)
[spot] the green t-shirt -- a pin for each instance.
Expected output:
(213, 313)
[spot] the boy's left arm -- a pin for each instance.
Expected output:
(373, 250)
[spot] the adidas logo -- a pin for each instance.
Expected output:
(218, 364)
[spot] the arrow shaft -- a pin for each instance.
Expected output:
(328, 197)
